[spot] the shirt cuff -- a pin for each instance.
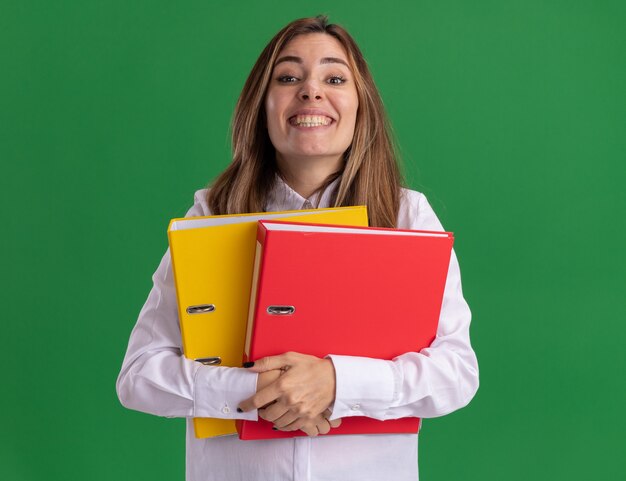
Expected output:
(219, 390)
(364, 386)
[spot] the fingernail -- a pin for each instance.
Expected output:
(274, 428)
(248, 364)
(239, 410)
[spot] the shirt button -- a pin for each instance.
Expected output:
(356, 407)
(307, 205)
(226, 410)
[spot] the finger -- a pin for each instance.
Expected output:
(269, 363)
(273, 412)
(264, 397)
(267, 405)
(335, 423)
(285, 420)
(298, 424)
(310, 430)
(323, 427)
(264, 379)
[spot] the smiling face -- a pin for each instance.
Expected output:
(311, 102)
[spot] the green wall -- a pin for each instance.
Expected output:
(511, 117)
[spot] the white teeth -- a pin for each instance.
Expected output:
(310, 120)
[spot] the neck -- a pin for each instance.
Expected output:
(306, 175)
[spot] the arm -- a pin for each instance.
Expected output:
(435, 381)
(156, 378)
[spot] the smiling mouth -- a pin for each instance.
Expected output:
(310, 120)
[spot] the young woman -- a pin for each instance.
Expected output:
(309, 130)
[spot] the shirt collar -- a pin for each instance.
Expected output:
(282, 197)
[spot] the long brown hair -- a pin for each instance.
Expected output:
(371, 175)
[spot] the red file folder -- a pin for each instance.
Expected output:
(356, 291)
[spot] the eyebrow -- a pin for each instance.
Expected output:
(293, 58)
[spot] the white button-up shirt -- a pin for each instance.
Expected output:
(156, 378)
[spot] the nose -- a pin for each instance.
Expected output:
(311, 91)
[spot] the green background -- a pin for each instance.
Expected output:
(511, 117)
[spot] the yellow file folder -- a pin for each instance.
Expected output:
(213, 261)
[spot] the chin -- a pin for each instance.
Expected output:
(314, 150)
(314, 154)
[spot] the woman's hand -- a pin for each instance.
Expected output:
(318, 425)
(296, 399)
(266, 378)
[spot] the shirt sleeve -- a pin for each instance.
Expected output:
(435, 381)
(156, 378)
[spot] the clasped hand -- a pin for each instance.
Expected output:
(294, 392)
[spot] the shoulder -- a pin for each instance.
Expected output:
(200, 207)
(416, 213)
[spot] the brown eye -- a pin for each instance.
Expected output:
(287, 79)
(336, 80)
